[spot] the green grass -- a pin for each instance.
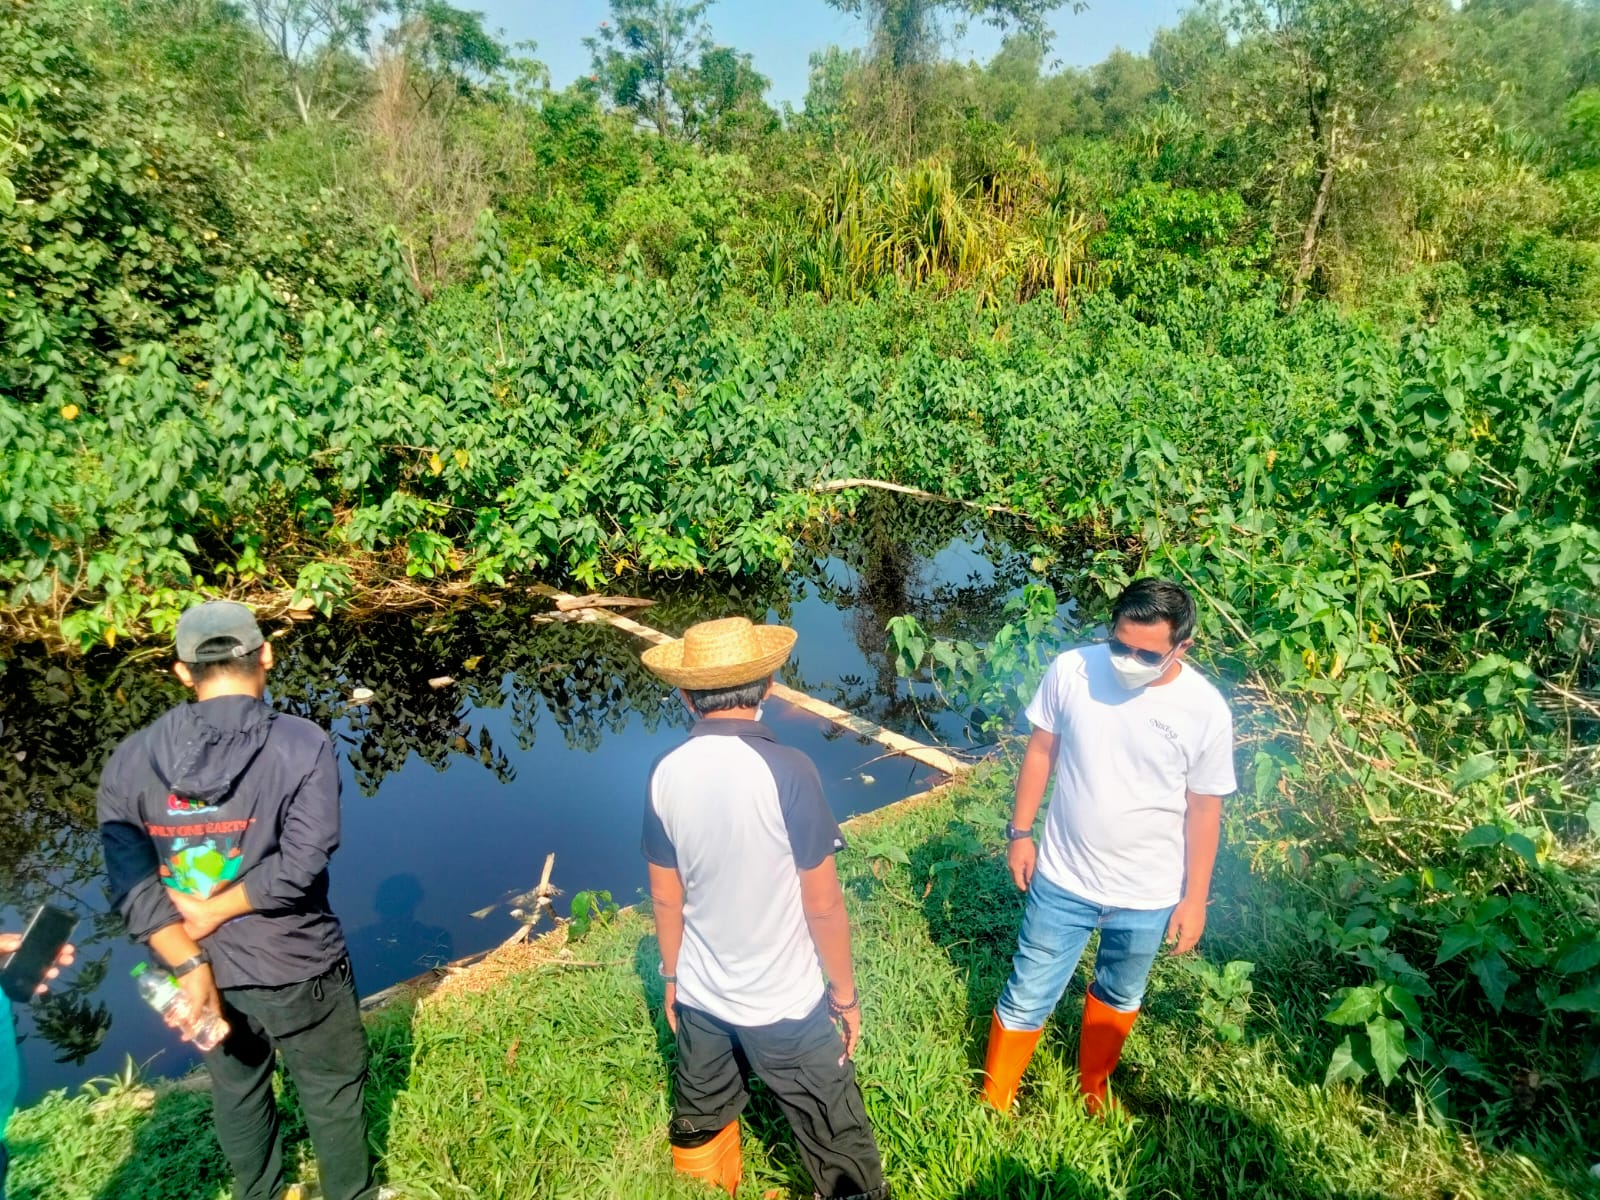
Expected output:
(555, 1083)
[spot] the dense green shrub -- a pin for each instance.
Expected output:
(1541, 277)
(126, 216)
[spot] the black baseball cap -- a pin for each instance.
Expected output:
(217, 631)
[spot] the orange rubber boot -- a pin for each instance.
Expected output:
(1004, 1062)
(717, 1162)
(1099, 1048)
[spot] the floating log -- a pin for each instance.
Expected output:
(573, 603)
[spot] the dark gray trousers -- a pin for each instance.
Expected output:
(799, 1062)
(316, 1026)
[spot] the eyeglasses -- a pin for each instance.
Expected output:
(1150, 658)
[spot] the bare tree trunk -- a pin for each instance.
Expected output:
(430, 185)
(1319, 214)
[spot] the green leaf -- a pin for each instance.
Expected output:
(1387, 1038)
(1593, 814)
(1522, 845)
(1479, 766)
(1457, 462)
(1319, 724)
(1481, 835)
(1584, 1000)
(1353, 1006)
(1238, 971)
(1495, 976)
(1346, 1062)
(1402, 1001)
(1455, 941)
(1578, 955)
(1591, 1066)
(1463, 1063)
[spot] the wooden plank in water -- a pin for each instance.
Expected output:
(887, 738)
(595, 601)
(895, 742)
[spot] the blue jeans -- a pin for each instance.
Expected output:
(1055, 928)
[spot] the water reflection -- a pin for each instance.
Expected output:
(398, 945)
(454, 793)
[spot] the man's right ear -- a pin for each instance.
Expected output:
(181, 670)
(267, 660)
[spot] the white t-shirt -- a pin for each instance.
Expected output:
(739, 815)
(1125, 762)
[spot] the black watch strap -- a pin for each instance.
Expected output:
(1013, 834)
(189, 964)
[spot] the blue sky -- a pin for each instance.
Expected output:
(781, 34)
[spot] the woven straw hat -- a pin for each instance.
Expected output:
(721, 654)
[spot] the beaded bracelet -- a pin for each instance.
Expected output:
(838, 1009)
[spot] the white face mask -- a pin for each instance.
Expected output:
(759, 708)
(1133, 674)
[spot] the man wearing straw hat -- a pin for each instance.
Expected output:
(747, 903)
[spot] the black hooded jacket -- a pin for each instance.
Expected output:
(227, 792)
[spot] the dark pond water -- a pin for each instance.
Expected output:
(453, 796)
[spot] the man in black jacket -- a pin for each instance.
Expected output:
(218, 820)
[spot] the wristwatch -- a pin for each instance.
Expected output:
(1013, 834)
(199, 960)
(661, 970)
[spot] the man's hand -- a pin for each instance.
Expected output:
(10, 941)
(669, 1004)
(201, 918)
(200, 993)
(849, 1023)
(1187, 924)
(1020, 857)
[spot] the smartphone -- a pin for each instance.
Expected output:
(41, 942)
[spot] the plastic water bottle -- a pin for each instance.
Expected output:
(161, 992)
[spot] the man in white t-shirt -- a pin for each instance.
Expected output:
(1141, 745)
(750, 917)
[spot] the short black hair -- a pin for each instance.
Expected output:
(1146, 601)
(746, 695)
(247, 664)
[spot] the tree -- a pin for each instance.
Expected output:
(1122, 86)
(207, 48)
(315, 41)
(906, 32)
(721, 100)
(1313, 89)
(427, 178)
(644, 55)
(447, 48)
(1526, 57)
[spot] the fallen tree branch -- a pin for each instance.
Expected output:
(844, 485)
(1211, 600)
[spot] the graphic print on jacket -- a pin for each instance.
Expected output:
(227, 793)
(202, 856)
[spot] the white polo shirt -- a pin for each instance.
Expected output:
(740, 815)
(1125, 761)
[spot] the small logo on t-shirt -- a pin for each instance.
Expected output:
(184, 806)
(1167, 731)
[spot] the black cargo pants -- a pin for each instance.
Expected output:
(799, 1062)
(316, 1025)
